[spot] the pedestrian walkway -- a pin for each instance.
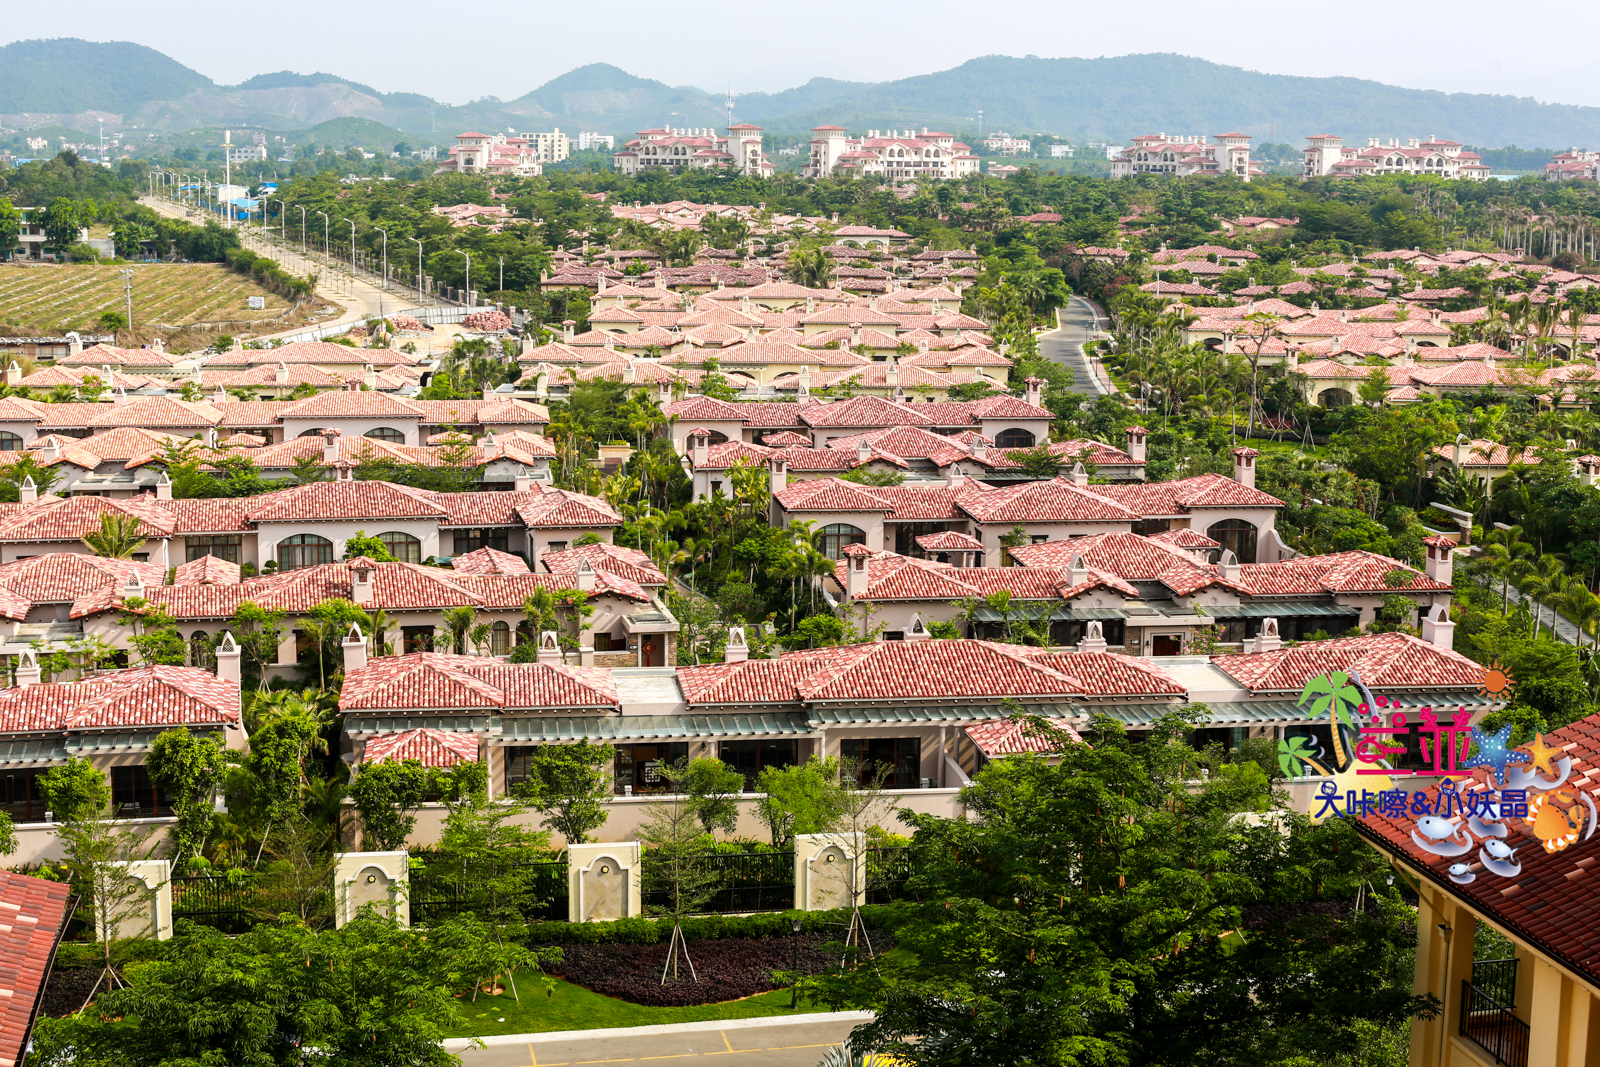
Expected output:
(1566, 631)
(795, 1041)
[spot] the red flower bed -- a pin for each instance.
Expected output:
(729, 968)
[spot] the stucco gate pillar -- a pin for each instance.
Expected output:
(150, 917)
(382, 879)
(604, 881)
(823, 865)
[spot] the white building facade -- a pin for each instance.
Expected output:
(1326, 155)
(1228, 155)
(697, 149)
(890, 154)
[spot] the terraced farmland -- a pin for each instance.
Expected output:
(169, 298)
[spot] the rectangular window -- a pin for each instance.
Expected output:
(23, 800)
(223, 546)
(135, 795)
(902, 756)
(640, 765)
(496, 537)
(749, 757)
(558, 546)
(417, 638)
(517, 759)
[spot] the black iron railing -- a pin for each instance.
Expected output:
(1498, 978)
(215, 900)
(1490, 1025)
(746, 882)
(888, 870)
(439, 891)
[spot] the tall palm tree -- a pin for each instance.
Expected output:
(458, 623)
(1542, 582)
(118, 536)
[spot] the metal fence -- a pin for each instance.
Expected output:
(1492, 1027)
(888, 870)
(216, 901)
(1497, 978)
(746, 882)
(439, 891)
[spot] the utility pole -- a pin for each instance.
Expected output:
(352, 248)
(385, 233)
(127, 293)
(419, 267)
(467, 292)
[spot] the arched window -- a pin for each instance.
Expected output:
(402, 546)
(1335, 398)
(834, 539)
(1013, 438)
(303, 550)
(1236, 536)
(386, 433)
(10, 442)
(500, 640)
(310, 433)
(201, 654)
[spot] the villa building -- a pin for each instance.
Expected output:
(492, 153)
(739, 149)
(1326, 155)
(1228, 155)
(896, 154)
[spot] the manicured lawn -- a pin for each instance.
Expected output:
(573, 1007)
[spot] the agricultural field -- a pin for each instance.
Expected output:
(182, 302)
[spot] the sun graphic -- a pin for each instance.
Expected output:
(1497, 681)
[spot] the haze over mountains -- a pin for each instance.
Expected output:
(69, 82)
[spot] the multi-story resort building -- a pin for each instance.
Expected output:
(1326, 155)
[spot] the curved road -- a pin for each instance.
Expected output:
(1079, 321)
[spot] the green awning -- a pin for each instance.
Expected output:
(846, 715)
(116, 741)
(648, 727)
(34, 751)
(1277, 611)
(1084, 614)
(1248, 712)
(362, 726)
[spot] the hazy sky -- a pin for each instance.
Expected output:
(504, 49)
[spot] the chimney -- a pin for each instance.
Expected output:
(1268, 640)
(369, 377)
(1078, 573)
(13, 373)
(488, 392)
(330, 445)
(586, 575)
(856, 557)
(524, 480)
(700, 447)
(630, 373)
(855, 334)
(737, 650)
(27, 492)
(549, 647)
(164, 487)
(1035, 391)
(566, 331)
(1079, 475)
(664, 393)
(1135, 437)
(219, 395)
(804, 391)
(1440, 566)
(863, 451)
(134, 586)
(281, 376)
(361, 584)
(917, 630)
(1437, 629)
(955, 478)
(1229, 565)
(344, 471)
(120, 396)
(28, 672)
(1458, 450)
(979, 448)
(1094, 637)
(228, 660)
(779, 474)
(1244, 466)
(891, 375)
(355, 649)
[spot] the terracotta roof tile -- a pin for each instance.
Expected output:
(435, 680)
(1386, 661)
(432, 748)
(33, 914)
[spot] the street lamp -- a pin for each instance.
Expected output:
(468, 290)
(794, 986)
(352, 248)
(502, 275)
(127, 293)
(302, 230)
(385, 233)
(283, 210)
(419, 267)
(324, 215)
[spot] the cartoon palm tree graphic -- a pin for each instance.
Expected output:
(1338, 696)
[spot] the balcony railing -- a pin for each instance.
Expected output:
(1490, 1025)
(1498, 978)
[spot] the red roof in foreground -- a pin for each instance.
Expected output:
(1552, 901)
(32, 914)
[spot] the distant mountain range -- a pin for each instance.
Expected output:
(72, 82)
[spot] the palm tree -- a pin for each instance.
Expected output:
(458, 623)
(117, 537)
(1542, 582)
(1581, 607)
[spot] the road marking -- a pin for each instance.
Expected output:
(674, 1056)
(777, 1048)
(625, 1059)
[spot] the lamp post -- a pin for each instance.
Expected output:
(324, 215)
(283, 209)
(352, 248)
(468, 290)
(502, 274)
(302, 230)
(127, 293)
(419, 267)
(385, 233)
(794, 986)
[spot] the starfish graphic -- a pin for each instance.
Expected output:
(1542, 755)
(1492, 752)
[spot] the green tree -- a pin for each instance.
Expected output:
(63, 220)
(119, 536)
(714, 789)
(188, 768)
(153, 633)
(798, 799)
(387, 794)
(10, 226)
(571, 786)
(676, 868)
(372, 547)
(24, 468)
(258, 632)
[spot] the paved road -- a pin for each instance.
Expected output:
(360, 298)
(801, 1042)
(1064, 344)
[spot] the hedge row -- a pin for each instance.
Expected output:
(642, 931)
(267, 273)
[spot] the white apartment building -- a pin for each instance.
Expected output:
(676, 150)
(588, 140)
(890, 154)
(1181, 156)
(492, 153)
(1569, 166)
(553, 147)
(1326, 155)
(1003, 144)
(1062, 151)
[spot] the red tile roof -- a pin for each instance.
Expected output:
(488, 560)
(1386, 661)
(138, 697)
(435, 680)
(33, 916)
(431, 748)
